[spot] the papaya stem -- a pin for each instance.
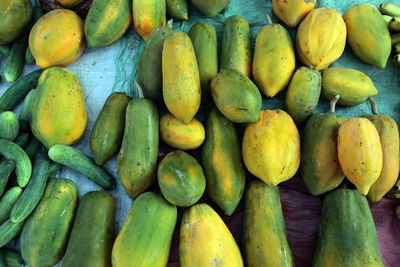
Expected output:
(332, 104)
(140, 90)
(374, 105)
(269, 20)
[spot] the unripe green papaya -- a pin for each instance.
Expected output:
(210, 8)
(15, 17)
(368, 34)
(177, 9)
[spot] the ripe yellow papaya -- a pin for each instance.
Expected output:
(205, 240)
(58, 108)
(274, 60)
(181, 78)
(271, 147)
(15, 16)
(389, 137)
(368, 34)
(292, 11)
(148, 15)
(57, 38)
(354, 87)
(210, 8)
(360, 153)
(321, 38)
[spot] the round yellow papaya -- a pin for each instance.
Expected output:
(292, 11)
(15, 16)
(57, 38)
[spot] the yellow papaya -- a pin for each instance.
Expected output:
(205, 240)
(354, 87)
(274, 60)
(210, 8)
(181, 78)
(148, 15)
(180, 135)
(58, 108)
(368, 34)
(271, 147)
(360, 153)
(321, 38)
(15, 17)
(57, 38)
(69, 3)
(292, 11)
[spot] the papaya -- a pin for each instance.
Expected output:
(274, 137)
(303, 94)
(15, 18)
(347, 235)
(291, 12)
(205, 240)
(274, 60)
(108, 130)
(236, 52)
(181, 179)
(353, 86)
(204, 40)
(149, 70)
(57, 38)
(389, 137)
(180, 135)
(210, 8)
(236, 96)
(107, 21)
(360, 153)
(136, 245)
(69, 3)
(368, 34)
(148, 15)
(137, 158)
(9, 125)
(264, 231)
(222, 162)
(177, 9)
(58, 108)
(181, 78)
(45, 233)
(321, 38)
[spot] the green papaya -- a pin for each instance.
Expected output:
(15, 17)
(177, 9)
(210, 8)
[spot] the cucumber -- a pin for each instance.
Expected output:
(6, 168)
(34, 191)
(54, 168)
(22, 139)
(2, 261)
(12, 258)
(73, 158)
(37, 13)
(7, 202)
(28, 56)
(16, 59)
(32, 148)
(25, 115)
(9, 125)
(17, 92)
(5, 50)
(8, 231)
(23, 166)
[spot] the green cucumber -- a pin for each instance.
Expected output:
(16, 59)
(22, 139)
(8, 231)
(23, 166)
(6, 168)
(34, 191)
(9, 125)
(25, 115)
(17, 92)
(5, 50)
(54, 168)
(37, 13)
(7, 202)
(12, 258)
(32, 148)
(28, 56)
(73, 158)
(2, 260)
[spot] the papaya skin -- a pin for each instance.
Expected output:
(57, 38)
(177, 9)
(148, 15)
(291, 12)
(360, 153)
(210, 8)
(69, 3)
(271, 147)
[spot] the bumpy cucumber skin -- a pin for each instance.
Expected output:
(8, 231)
(16, 59)
(9, 125)
(7, 202)
(6, 168)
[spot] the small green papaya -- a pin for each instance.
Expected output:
(177, 9)
(210, 8)
(15, 17)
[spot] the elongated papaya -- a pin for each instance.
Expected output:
(360, 153)
(108, 130)
(210, 8)
(58, 109)
(135, 245)
(9, 125)
(236, 52)
(202, 225)
(137, 159)
(222, 162)
(177, 9)
(107, 21)
(92, 235)
(292, 11)
(368, 34)
(264, 231)
(204, 39)
(303, 94)
(149, 71)
(347, 235)
(45, 233)
(7, 202)
(148, 15)
(274, 60)
(274, 137)
(181, 79)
